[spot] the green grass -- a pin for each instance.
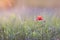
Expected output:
(13, 28)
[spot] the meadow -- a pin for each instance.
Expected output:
(41, 21)
(14, 28)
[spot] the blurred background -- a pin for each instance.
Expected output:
(30, 7)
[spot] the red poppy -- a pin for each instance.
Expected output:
(39, 18)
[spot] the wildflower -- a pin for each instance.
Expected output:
(39, 18)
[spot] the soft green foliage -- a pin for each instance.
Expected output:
(13, 28)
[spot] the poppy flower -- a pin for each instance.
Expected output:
(39, 18)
